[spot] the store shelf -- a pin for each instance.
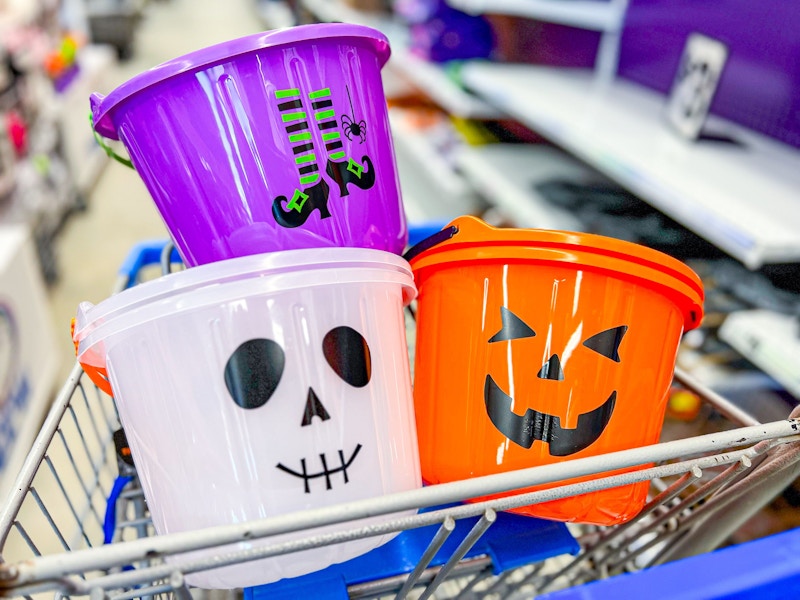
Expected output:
(769, 340)
(740, 196)
(431, 79)
(507, 174)
(587, 14)
(425, 172)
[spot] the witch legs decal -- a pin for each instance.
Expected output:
(295, 211)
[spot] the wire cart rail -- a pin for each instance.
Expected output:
(76, 522)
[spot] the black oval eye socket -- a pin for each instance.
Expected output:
(513, 327)
(253, 372)
(607, 342)
(347, 353)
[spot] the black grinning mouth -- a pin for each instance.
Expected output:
(326, 472)
(534, 425)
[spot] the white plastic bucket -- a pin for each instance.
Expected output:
(261, 386)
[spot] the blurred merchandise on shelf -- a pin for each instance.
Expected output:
(49, 160)
(452, 35)
(17, 132)
(60, 62)
(426, 143)
(28, 358)
(441, 33)
(759, 86)
(536, 42)
(753, 326)
(369, 6)
(84, 156)
(769, 339)
(114, 22)
(683, 405)
(7, 159)
(607, 209)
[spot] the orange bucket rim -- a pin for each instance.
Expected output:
(496, 243)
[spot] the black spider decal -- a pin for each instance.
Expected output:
(353, 128)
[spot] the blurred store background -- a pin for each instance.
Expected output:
(529, 113)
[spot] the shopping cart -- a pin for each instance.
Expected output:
(76, 522)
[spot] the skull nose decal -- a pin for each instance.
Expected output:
(534, 425)
(313, 409)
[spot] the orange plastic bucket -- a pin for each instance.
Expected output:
(537, 347)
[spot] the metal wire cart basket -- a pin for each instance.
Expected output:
(76, 522)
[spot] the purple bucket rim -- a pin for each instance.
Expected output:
(102, 106)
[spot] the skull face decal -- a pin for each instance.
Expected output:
(535, 425)
(254, 371)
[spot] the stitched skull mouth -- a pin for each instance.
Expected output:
(326, 472)
(534, 425)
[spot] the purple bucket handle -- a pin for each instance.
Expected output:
(95, 102)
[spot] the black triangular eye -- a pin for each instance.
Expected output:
(347, 353)
(253, 372)
(513, 328)
(607, 342)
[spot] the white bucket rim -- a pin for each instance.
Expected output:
(236, 279)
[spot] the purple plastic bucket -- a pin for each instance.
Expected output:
(274, 141)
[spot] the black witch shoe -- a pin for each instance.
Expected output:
(362, 176)
(301, 205)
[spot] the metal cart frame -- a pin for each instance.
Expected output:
(704, 488)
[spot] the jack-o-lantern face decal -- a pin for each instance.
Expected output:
(534, 425)
(254, 370)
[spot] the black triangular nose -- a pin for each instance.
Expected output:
(552, 369)
(313, 409)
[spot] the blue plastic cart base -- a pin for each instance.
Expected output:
(764, 569)
(512, 541)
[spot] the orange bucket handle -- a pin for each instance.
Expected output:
(430, 241)
(98, 375)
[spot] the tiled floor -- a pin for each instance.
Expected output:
(94, 243)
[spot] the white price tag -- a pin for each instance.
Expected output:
(695, 83)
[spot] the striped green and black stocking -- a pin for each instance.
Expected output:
(314, 193)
